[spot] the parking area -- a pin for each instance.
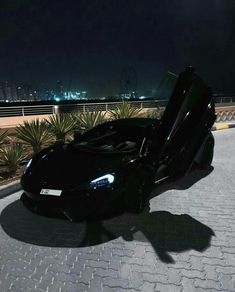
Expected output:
(184, 241)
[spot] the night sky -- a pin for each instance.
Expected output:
(90, 42)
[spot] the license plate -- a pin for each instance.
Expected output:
(50, 192)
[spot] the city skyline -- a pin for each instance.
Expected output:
(87, 45)
(11, 92)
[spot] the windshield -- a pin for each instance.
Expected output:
(112, 138)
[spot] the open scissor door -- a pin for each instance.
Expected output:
(186, 122)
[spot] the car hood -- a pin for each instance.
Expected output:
(64, 167)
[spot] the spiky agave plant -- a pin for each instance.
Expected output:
(3, 136)
(61, 125)
(153, 114)
(123, 111)
(11, 156)
(87, 120)
(34, 133)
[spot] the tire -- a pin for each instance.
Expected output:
(207, 153)
(139, 204)
(136, 201)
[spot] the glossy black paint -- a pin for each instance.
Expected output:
(135, 152)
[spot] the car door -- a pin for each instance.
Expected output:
(186, 121)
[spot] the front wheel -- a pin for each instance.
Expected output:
(139, 204)
(136, 200)
(206, 154)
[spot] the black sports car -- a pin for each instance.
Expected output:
(117, 163)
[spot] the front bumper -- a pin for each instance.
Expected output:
(88, 205)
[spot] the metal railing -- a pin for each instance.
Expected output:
(14, 111)
(226, 113)
(224, 99)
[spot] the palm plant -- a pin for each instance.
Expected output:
(11, 156)
(34, 133)
(87, 120)
(124, 111)
(61, 125)
(3, 136)
(154, 114)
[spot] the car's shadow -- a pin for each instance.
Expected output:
(165, 231)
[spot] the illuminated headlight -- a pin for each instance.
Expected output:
(102, 181)
(28, 165)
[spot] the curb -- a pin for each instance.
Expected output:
(10, 188)
(222, 127)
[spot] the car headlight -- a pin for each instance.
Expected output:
(28, 165)
(102, 181)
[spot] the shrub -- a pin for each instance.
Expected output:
(34, 133)
(3, 136)
(11, 156)
(123, 111)
(154, 114)
(87, 120)
(61, 125)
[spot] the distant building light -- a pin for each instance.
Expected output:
(57, 99)
(7, 100)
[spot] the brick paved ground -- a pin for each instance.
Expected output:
(185, 243)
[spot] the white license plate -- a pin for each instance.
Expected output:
(50, 192)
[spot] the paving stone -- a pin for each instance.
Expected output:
(56, 287)
(174, 276)
(75, 287)
(125, 271)
(95, 284)
(225, 270)
(150, 258)
(97, 264)
(196, 263)
(167, 287)
(67, 277)
(188, 285)
(115, 263)
(208, 284)
(226, 282)
(214, 262)
(122, 252)
(153, 278)
(108, 289)
(210, 272)
(86, 275)
(193, 274)
(114, 282)
(136, 280)
(186, 243)
(148, 287)
(106, 272)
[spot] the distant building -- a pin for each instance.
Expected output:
(128, 95)
(2, 95)
(20, 92)
(14, 94)
(7, 90)
(59, 90)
